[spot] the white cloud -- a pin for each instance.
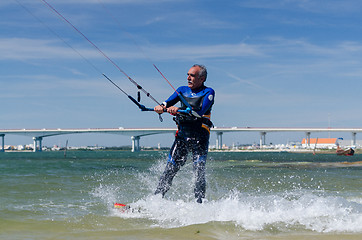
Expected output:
(19, 86)
(305, 5)
(25, 49)
(203, 51)
(298, 47)
(119, 2)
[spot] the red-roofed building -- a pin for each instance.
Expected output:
(320, 143)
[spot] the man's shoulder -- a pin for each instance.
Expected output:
(183, 89)
(210, 90)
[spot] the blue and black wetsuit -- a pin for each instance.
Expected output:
(192, 136)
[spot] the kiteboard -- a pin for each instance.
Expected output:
(125, 208)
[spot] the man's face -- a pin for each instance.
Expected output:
(193, 79)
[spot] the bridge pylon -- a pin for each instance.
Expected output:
(38, 144)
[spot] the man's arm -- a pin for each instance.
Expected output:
(208, 101)
(168, 104)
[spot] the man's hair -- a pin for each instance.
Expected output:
(203, 70)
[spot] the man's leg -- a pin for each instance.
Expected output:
(176, 159)
(200, 181)
(166, 179)
(200, 150)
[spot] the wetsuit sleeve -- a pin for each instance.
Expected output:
(208, 101)
(173, 99)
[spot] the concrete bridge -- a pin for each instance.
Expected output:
(137, 133)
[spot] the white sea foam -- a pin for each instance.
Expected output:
(255, 213)
(298, 208)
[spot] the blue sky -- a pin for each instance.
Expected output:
(280, 63)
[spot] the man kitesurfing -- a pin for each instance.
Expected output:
(193, 122)
(192, 118)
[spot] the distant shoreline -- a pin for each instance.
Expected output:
(311, 151)
(279, 151)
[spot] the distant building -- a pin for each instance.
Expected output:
(328, 143)
(20, 147)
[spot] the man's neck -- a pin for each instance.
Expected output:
(199, 88)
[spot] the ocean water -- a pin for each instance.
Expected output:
(249, 196)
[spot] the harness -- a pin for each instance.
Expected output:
(189, 122)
